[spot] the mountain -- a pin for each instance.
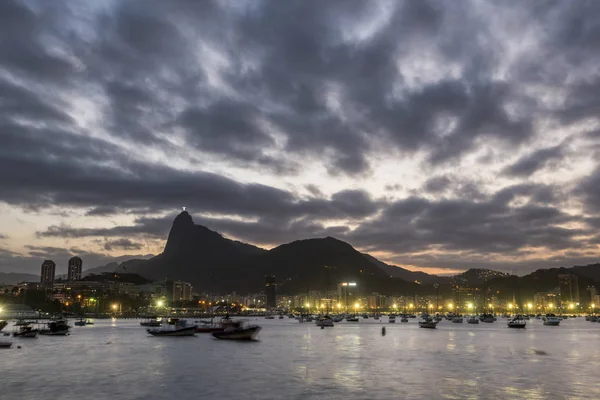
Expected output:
(195, 254)
(110, 267)
(477, 276)
(411, 276)
(12, 278)
(591, 271)
(315, 264)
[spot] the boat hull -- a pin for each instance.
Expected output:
(187, 331)
(428, 325)
(209, 329)
(48, 332)
(551, 323)
(29, 335)
(239, 334)
(5, 345)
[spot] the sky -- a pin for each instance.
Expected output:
(435, 135)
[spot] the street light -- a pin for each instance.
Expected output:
(159, 303)
(470, 306)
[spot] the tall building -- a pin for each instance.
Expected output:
(75, 265)
(179, 291)
(569, 288)
(48, 270)
(270, 291)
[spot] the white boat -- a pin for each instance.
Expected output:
(174, 328)
(238, 332)
(517, 322)
(352, 319)
(325, 321)
(472, 320)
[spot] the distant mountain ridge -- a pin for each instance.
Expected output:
(410, 276)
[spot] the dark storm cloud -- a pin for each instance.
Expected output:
(276, 85)
(530, 163)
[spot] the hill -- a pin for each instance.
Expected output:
(394, 271)
(12, 278)
(195, 254)
(477, 276)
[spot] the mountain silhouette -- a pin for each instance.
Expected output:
(193, 253)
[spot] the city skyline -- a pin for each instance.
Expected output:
(437, 137)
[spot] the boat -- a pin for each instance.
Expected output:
(238, 332)
(269, 317)
(472, 320)
(81, 322)
(281, 317)
(487, 318)
(457, 320)
(3, 324)
(403, 319)
(392, 320)
(178, 328)
(352, 319)
(325, 321)
(26, 331)
(517, 322)
(427, 322)
(89, 322)
(5, 344)
(210, 326)
(57, 327)
(551, 320)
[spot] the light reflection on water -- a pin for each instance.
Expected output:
(118, 360)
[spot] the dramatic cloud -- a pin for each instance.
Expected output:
(435, 134)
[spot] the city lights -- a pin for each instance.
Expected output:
(529, 306)
(159, 303)
(470, 306)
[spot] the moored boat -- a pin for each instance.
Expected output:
(178, 328)
(427, 322)
(5, 344)
(57, 327)
(3, 324)
(458, 320)
(472, 320)
(517, 322)
(26, 331)
(551, 320)
(392, 320)
(238, 332)
(325, 321)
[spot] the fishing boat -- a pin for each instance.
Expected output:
(178, 328)
(325, 321)
(26, 331)
(517, 322)
(57, 327)
(210, 326)
(238, 332)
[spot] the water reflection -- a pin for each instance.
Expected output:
(114, 359)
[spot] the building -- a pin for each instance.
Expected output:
(17, 311)
(270, 291)
(75, 266)
(179, 291)
(48, 270)
(569, 289)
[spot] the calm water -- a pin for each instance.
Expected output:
(118, 360)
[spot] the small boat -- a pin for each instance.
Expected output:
(325, 321)
(26, 331)
(5, 344)
(487, 318)
(269, 317)
(352, 319)
(472, 320)
(517, 322)
(178, 328)
(151, 322)
(392, 320)
(551, 320)
(427, 322)
(238, 332)
(281, 317)
(403, 319)
(458, 320)
(58, 327)
(81, 322)
(89, 322)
